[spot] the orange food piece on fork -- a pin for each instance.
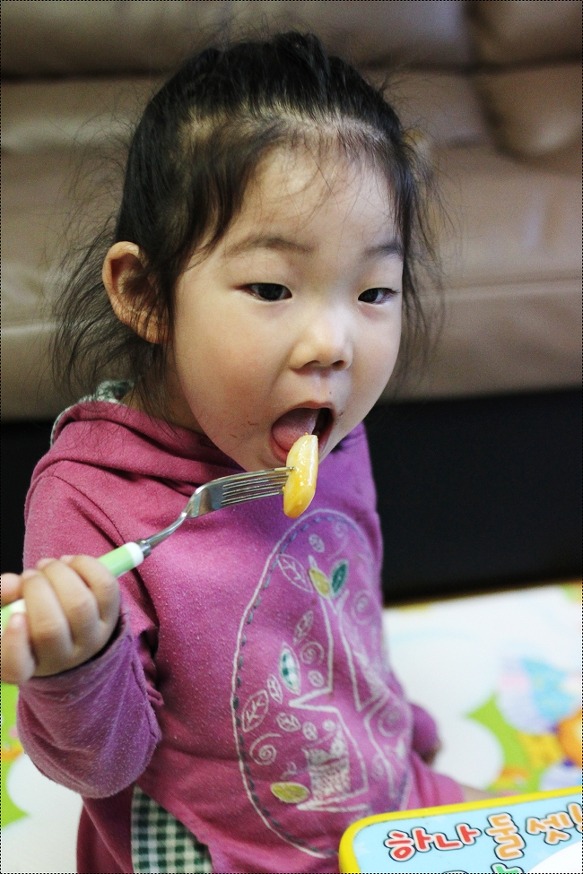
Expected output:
(300, 486)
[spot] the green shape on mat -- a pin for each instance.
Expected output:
(517, 768)
(572, 591)
(11, 749)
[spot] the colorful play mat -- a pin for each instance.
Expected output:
(500, 672)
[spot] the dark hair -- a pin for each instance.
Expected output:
(197, 145)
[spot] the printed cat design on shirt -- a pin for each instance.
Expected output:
(317, 726)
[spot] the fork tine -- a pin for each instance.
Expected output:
(253, 488)
(242, 498)
(223, 492)
(258, 475)
(256, 490)
(247, 483)
(259, 485)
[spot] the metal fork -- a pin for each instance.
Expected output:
(224, 492)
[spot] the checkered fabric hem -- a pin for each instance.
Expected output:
(112, 391)
(161, 844)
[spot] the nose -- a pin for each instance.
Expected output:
(324, 340)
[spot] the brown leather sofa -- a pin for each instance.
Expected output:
(496, 89)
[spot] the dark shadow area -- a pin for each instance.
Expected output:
(479, 492)
(473, 494)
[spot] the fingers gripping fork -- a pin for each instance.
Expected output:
(224, 492)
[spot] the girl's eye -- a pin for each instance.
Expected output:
(377, 295)
(269, 291)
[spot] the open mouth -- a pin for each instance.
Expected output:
(303, 420)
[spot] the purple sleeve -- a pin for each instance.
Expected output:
(92, 729)
(425, 735)
(425, 739)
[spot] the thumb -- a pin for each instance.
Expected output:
(17, 659)
(10, 588)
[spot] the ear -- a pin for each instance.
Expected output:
(132, 305)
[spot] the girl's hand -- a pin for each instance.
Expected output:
(72, 609)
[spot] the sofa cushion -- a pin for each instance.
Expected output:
(528, 121)
(70, 114)
(512, 260)
(511, 253)
(530, 30)
(64, 38)
(506, 155)
(442, 105)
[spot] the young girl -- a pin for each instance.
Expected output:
(229, 706)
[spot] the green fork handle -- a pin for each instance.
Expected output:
(124, 558)
(118, 561)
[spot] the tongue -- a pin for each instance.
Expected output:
(292, 426)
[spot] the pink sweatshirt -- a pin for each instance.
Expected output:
(247, 691)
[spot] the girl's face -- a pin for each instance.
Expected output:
(292, 323)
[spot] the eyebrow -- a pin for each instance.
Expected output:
(267, 241)
(392, 247)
